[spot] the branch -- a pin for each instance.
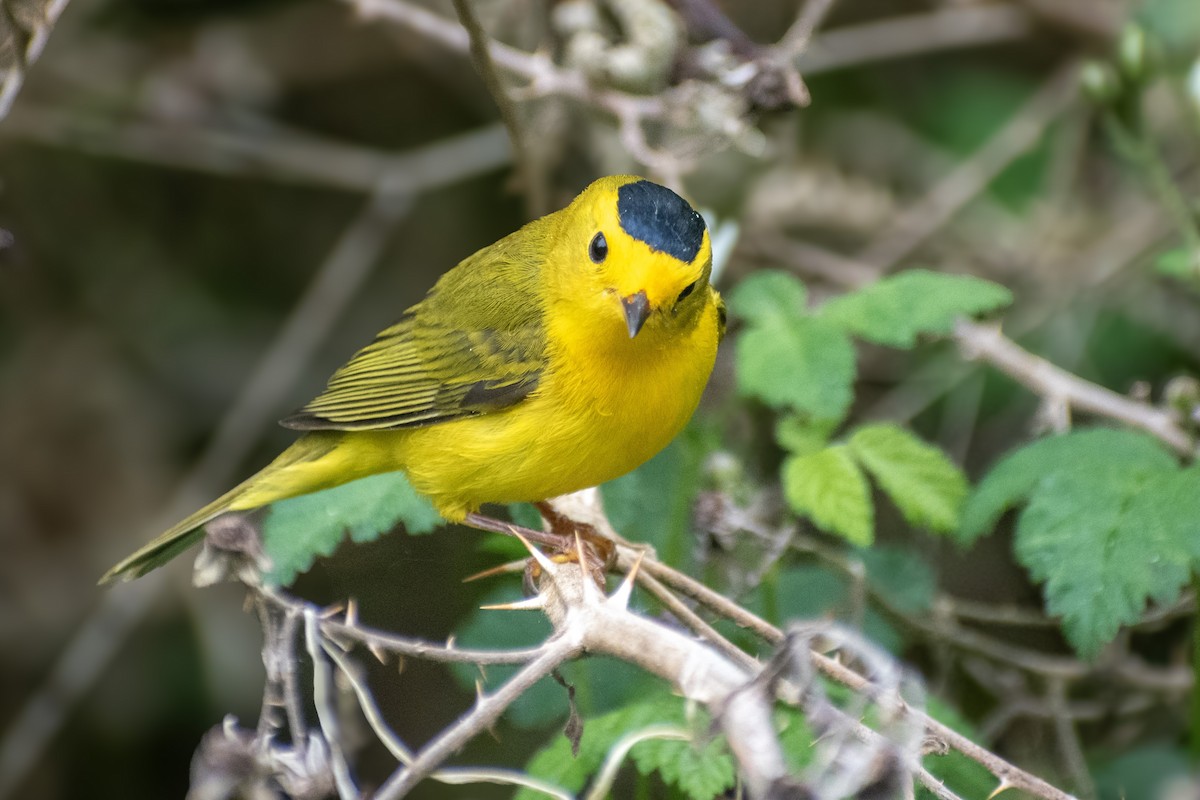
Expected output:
(986, 343)
(922, 218)
(486, 711)
(24, 40)
(914, 34)
(100, 637)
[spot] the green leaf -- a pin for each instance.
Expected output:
(1141, 773)
(829, 488)
(902, 576)
(653, 504)
(1017, 474)
(897, 309)
(700, 771)
(963, 776)
(601, 683)
(802, 435)
(1086, 535)
(925, 485)
(1179, 263)
(298, 530)
(804, 364)
(769, 296)
(795, 737)
(556, 764)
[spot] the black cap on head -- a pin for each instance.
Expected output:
(662, 219)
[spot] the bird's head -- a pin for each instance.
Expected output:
(640, 253)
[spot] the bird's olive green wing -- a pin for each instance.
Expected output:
(475, 344)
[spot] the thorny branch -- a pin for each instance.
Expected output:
(709, 670)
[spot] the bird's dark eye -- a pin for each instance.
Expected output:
(598, 249)
(686, 291)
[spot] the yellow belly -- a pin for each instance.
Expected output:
(614, 406)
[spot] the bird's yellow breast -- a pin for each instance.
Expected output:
(605, 404)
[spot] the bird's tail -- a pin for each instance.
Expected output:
(260, 489)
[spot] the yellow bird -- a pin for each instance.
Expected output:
(562, 356)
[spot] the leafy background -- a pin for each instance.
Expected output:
(848, 461)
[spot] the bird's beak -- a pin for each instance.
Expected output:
(637, 308)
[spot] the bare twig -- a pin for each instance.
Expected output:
(486, 711)
(987, 343)
(280, 155)
(26, 46)
(120, 611)
(931, 212)
(327, 714)
(914, 34)
(481, 57)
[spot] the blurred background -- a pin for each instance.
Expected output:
(206, 207)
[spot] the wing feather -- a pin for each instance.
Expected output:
(475, 344)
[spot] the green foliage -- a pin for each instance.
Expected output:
(701, 768)
(1175, 24)
(769, 296)
(803, 363)
(925, 485)
(1110, 523)
(896, 310)
(1141, 774)
(653, 504)
(902, 576)
(828, 487)
(963, 776)
(298, 530)
(601, 684)
(801, 435)
(1017, 474)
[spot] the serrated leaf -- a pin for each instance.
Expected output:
(700, 772)
(1015, 476)
(896, 310)
(298, 530)
(925, 485)
(555, 762)
(829, 488)
(769, 296)
(803, 364)
(1083, 536)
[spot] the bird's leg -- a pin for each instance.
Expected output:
(561, 539)
(602, 551)
(485, 523)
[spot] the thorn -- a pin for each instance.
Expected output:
(548, 566)
(401, 663)
(511, 566)
(451, 640)
(620, 598)
(351, 613)
(329, 612)
(377, 651)
(1004, 784)
(590, 594)
(535, 602)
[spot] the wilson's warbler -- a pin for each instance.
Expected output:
(562, 356)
